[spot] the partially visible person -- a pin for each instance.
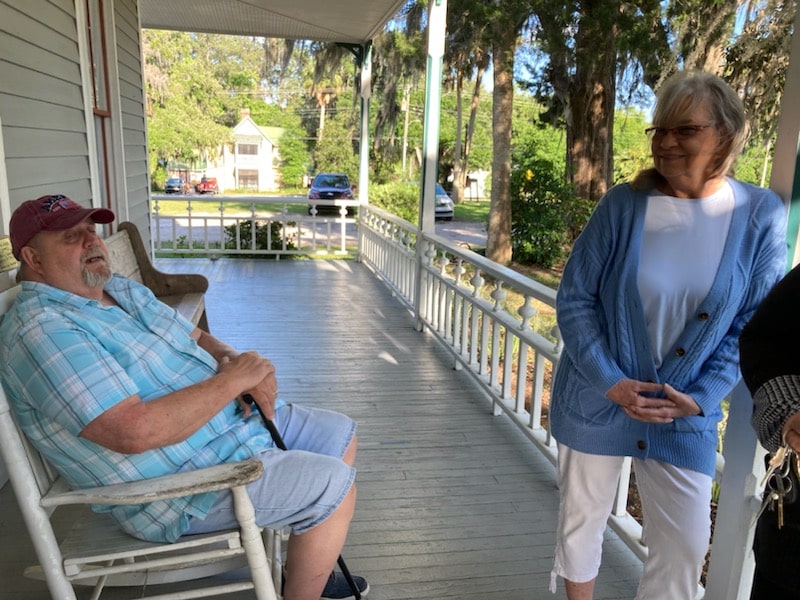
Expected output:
(652, 300)
(770, 360)
(112, 385)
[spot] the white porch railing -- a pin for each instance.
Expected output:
(508, 344)
(462, 298)
(511, 351)
(211, 226)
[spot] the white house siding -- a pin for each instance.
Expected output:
(42, 108)
(42, 105)
(41, 101)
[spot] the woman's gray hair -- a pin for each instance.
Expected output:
(684, 92)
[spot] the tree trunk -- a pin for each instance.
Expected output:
(498, 245)
(483, 64)
(592, 94)
(457, 192)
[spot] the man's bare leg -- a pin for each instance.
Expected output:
(579, 591)
(311, 556)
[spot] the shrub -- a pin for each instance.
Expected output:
(401, 199)
(269, 236)
(158, 178)
(544, 212)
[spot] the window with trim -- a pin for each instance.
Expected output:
(247, 148)
(247, 179)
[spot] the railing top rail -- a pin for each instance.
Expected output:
(520, 283)
(394, 219)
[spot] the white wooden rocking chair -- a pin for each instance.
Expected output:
(97, 553)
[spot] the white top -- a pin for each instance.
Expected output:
(681, 250)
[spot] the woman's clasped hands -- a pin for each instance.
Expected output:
(652, 402)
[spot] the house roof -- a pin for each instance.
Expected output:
(345, 21)
(273, 134)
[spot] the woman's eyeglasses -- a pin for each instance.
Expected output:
(682, 132)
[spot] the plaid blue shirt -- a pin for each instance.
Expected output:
(65, 360)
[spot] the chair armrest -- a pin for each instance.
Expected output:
(209, 479)
(169, 284)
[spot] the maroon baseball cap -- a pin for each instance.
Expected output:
(50, 213)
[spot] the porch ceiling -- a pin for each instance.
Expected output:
(347, 21)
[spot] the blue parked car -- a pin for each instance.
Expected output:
(174, 185)
(326, 188)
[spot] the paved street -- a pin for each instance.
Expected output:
(465, 233)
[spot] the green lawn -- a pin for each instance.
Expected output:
(171, 208)
(477, 211)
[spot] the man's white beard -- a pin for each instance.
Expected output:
(96, 280)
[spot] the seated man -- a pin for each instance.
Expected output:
(112, 386)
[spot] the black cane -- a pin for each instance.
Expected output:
(276, 437)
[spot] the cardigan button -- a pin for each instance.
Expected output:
(641, 444)
(703, 316)
(680, 352)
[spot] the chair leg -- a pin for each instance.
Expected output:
(253, 545)
(101, 583)
(26, 489)
(273, 540)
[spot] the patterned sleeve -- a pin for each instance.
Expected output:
(773, 404)
(770, 361)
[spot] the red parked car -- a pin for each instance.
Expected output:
(207, 185)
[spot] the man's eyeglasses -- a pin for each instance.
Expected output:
(682, 132)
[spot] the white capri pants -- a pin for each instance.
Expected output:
(676, 521)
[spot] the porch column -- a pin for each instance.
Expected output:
(730, 572)
(364, 57)
(785, 179)
(437, 21)
(366, 90)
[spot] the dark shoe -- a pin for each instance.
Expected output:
(337, 587)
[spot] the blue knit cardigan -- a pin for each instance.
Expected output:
(602, 322)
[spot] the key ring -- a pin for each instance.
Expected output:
(780, 484)
(786, 466)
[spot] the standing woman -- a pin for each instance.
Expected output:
(654, 295)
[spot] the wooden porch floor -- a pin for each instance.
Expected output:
(453, 503)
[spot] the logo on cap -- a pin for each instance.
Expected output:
(56, 202)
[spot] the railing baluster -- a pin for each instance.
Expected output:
(522, 378)
(537, 390)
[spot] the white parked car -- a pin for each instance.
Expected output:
(444, 204)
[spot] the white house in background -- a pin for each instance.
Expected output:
(252, 162)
